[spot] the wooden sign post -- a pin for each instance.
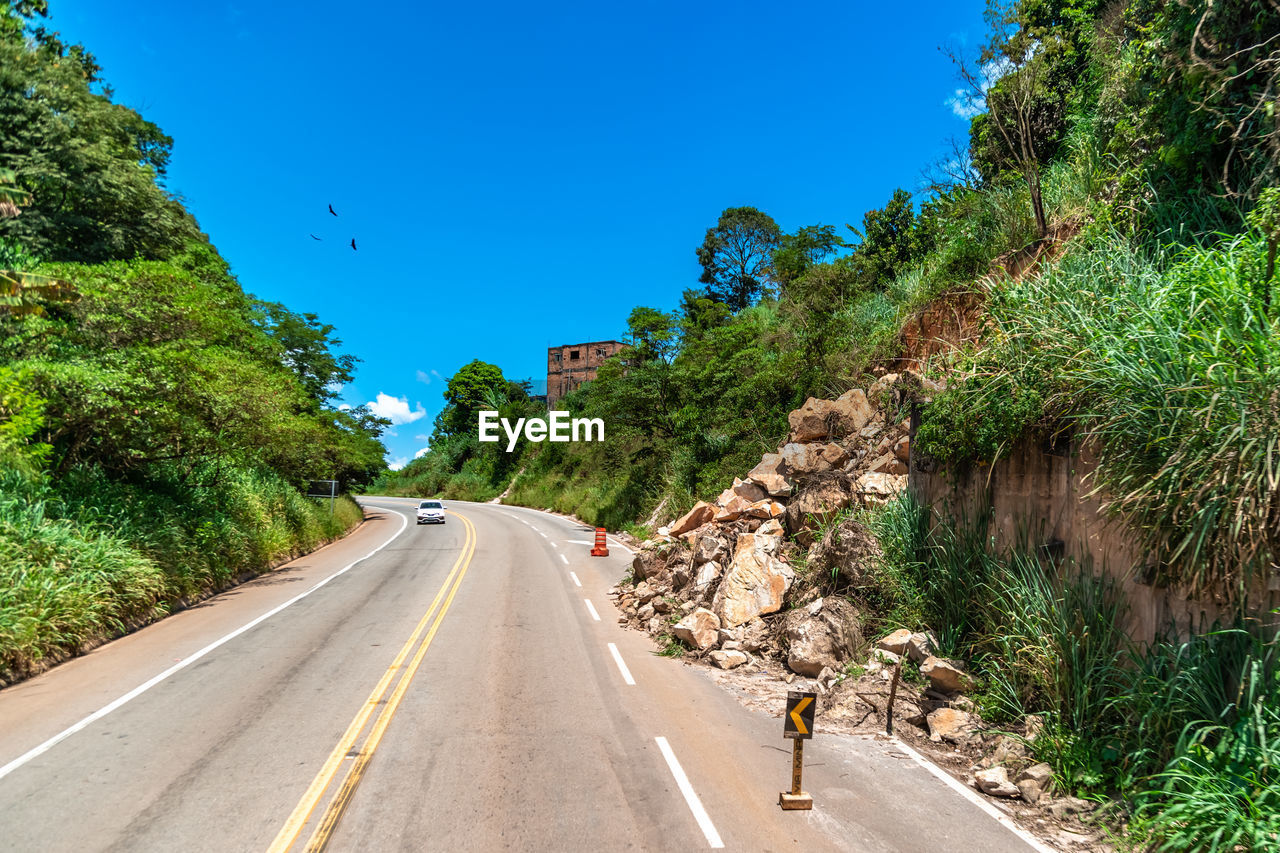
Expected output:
(797, 724)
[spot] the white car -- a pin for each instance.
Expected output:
(431, 512)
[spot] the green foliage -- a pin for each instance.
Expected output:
(91, 168)
(737, 256)
(1171, 366)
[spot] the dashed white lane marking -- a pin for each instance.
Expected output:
(580, 542)
(566, 559)
(690, 796)
(540, 533)
(554, 545)
(969, 795)
(575, 579)
(186, 662)
(592, 608)
(622, 666)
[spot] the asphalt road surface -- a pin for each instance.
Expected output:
(449, 687)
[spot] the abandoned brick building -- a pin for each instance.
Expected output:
(569, 365)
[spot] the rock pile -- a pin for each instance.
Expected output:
(714, 577)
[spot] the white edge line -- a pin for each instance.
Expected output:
(622, 666)
(690, 796)
(618, 544)
(959, 787)
(185, 662)
(592, 608)
(576, 582)
(566, 559)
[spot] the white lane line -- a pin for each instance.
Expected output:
(575, 579)
(622, 667)
(565, 559)
(554, 545)
(690, 797)
(580, 542)
(591, 607)
(186, 662)
(540, 533)
(963, 790)
(617, 544)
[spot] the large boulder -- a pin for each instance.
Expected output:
(770, 475)
(805, 460)
(701, 513)
(755, 583)
(824, 634)
(1034, 782)
(729, 659)
(823, 419)
(821, 500)
(700, 629)
(847, 550)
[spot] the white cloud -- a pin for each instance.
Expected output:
(421, 453)
(422, 438)
(397, 463)
(425, 378)
(345, 407)
(396, 409)
(967, 103)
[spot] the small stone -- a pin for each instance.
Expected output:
(895, 642)
(995, 782)
(1034, 782)
(645, 613)
(920, 647)
(944, 676)
(699, 629)
(662, 605)
(687, 606)
(728, 659)
(950, 725)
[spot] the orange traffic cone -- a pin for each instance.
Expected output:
(601, 549)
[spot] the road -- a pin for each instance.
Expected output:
(451, 687)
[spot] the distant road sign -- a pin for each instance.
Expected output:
(798, 721)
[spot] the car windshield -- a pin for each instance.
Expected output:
(429, 505)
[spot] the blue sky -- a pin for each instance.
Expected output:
(515, 175)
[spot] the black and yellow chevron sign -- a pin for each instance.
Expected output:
(797, 722)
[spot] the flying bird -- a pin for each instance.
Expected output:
(353, 244)
(331, 210)
(314, 237)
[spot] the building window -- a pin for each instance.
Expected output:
(573, 355)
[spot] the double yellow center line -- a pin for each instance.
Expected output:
(301, 816)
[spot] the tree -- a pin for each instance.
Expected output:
(737, 256)
(307, 349)
(797, 252)
(475, 386)
(1019, 90)
(888, 242)
(638, 390)
(92, 168)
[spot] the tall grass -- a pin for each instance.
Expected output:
(1172, 367)
(92, 557)
(1185, 731)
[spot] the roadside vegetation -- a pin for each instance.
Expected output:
(158, 426)
(1109, 233)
